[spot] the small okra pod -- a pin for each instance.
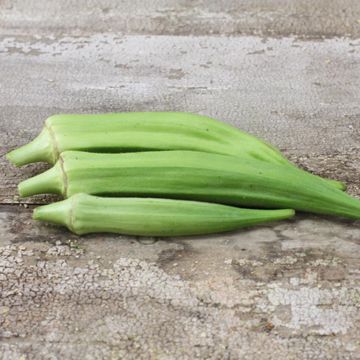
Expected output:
(84, 214)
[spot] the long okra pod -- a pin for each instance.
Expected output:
(191, 175)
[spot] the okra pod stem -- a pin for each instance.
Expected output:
(42, 148)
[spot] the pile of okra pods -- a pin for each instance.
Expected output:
(168, 174)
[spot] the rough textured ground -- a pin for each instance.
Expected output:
(304, 18)
(290, 73)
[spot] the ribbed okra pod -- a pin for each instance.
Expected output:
(84, 214)
(144, 131)
(191, 175)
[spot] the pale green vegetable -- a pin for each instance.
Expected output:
(84, 214)
(191, 175)
(144, 131)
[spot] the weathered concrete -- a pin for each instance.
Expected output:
(300, 96)
(304, 18)
(285, 291)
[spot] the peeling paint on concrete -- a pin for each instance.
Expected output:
(319, 311)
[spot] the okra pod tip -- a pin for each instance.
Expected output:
(336, 184)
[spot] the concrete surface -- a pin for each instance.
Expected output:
(285, 291)
(303, 18)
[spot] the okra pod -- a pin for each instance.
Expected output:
(83, 214)
(191, 175)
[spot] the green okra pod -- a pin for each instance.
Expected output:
(84, 214)
(144, 131)
(191, 175)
